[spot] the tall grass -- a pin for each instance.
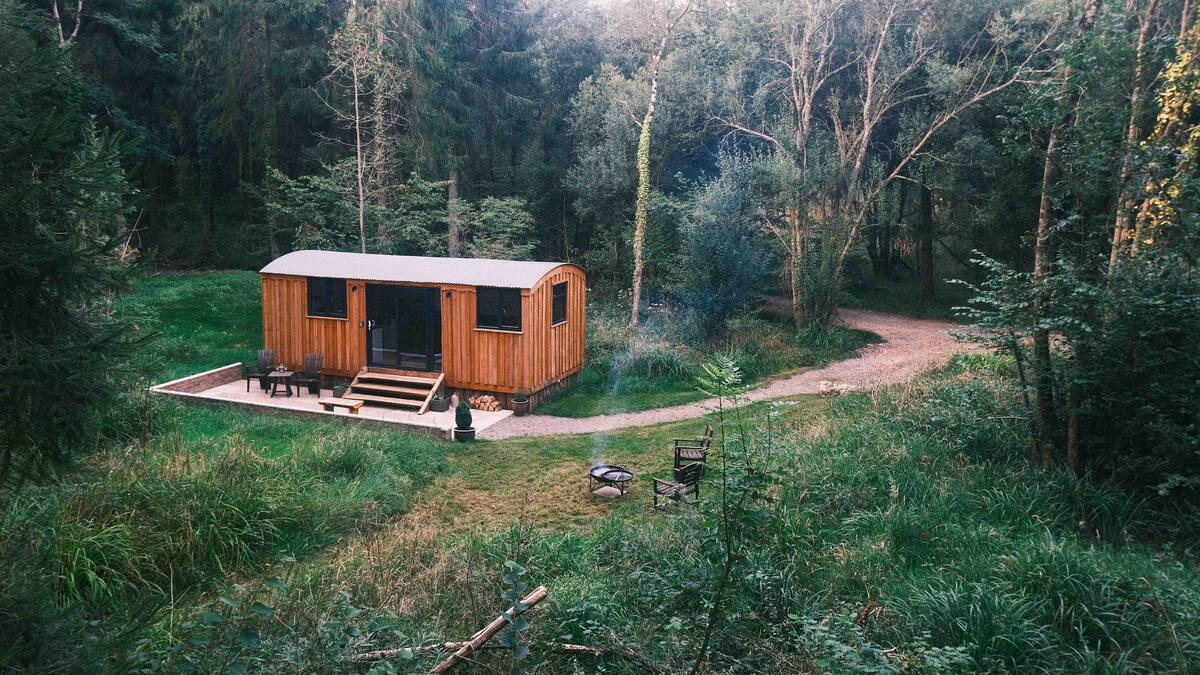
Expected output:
(162, 521)
(911, 535)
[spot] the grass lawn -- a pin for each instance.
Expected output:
(586, 400)
(204, 319)
(542, 481)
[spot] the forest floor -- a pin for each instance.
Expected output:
(909, 346)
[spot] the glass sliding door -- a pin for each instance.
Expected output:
(404, 327)
(382, 333)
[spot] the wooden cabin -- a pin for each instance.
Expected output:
(473, 325)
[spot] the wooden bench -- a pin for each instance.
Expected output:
(350, 405)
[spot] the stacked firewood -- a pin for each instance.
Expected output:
(484, 402)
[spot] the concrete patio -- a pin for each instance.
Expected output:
(225, 386)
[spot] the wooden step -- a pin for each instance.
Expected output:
(389, 400)
(390, 389)
(387, 388)
(402, 379)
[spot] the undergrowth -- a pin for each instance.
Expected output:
(161, 522)
(911, 535)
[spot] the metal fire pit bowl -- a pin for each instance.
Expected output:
(610, 476)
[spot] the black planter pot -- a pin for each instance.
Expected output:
(439, 405)
(464, 435)
(520, 408)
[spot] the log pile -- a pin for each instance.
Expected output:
(484, 402)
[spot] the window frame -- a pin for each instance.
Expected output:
(554, 299)
(501, 326)
(323, 313)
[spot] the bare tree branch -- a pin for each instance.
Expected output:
(65, 40)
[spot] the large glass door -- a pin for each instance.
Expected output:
(404, 327)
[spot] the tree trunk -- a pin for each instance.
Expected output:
(925, 244)
(453, 215)
(641, 210)
(643, 167)
(359, 164)
(380, 148)
(1043, 376)
(643, 197)
(1125, 201)
(1162, 131)
(795, 263)
(1075, 402)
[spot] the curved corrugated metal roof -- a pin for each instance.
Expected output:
(412, 269)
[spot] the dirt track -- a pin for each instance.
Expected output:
(910, 346)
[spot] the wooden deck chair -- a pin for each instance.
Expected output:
(687, 482)
(311, 376)
(693, 449)
(262, 368)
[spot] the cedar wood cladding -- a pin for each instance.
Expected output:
(476, 359)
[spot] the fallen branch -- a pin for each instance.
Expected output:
(384, 654)
(478, 641)
(560, 647)
(488, 631)
(620, 652)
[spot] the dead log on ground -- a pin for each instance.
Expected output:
(488, 631)
(560, 647)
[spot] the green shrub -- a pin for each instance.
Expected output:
(650, 361)
(462, 415)
(1126, 360)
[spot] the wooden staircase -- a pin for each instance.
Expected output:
(398, 388)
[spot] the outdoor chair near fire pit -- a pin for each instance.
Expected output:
(693, 449)
(262, 368)
(687, 482)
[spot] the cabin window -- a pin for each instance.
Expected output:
(327, 297)
(498, 308)
(558, 304)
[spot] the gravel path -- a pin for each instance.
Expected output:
(910, 346)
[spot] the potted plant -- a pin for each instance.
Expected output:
(463, 431)
(340, 388)
(520, 403)
(440, 402)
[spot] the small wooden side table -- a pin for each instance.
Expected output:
(278, 377)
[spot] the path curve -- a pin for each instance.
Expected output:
(910, 346)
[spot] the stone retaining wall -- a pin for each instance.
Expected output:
(280, 411)
(194, 384)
